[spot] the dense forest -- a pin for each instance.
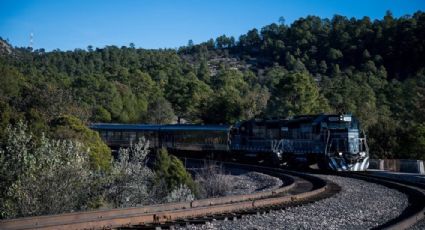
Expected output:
(374, 69)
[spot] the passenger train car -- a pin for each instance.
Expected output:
(177, 137)
(330, 141)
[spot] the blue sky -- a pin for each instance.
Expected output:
(69, 24)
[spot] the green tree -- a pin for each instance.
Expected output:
(70, 128)
(6, 115)
(224, 42)
(160, 111)
(412, 144)
(100, 114)
(225, 107)
(296, 93)
(335, 54)
(352, 95)
(170, 169)
(186, 93)
(230, 100)
(12, 81)
(383, 138)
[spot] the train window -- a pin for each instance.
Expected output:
(306, 128)
(259, 131)
(294, 133)
(354, 124)
(316, 129)
(125, 135)
(244, 130)
(132, 136)
(338, 125)
(273, 133)
(104, 135)
(286, 133)
(306, 131)
(116, 135)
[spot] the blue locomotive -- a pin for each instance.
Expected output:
(330, 141)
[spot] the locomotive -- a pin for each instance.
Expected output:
(331, 141)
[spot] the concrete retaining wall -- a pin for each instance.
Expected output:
(396, 165)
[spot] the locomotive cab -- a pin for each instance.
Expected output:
(332, 141)
(344, 148)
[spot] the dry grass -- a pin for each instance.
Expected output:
(212, 180)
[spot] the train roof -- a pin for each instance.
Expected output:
(294, 121)
(309, 118)
(150, 127)
(117, 126)
(196, 127)
(301, 119)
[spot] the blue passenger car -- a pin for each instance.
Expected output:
(122, 135)
(178, 137)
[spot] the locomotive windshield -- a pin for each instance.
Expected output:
(342, 123)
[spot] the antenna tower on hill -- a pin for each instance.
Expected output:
(31, 39)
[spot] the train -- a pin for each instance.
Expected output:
(328, 141)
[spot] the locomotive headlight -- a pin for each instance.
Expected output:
(340, 154)
(279, 155)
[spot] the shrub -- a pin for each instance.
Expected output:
(212, 181)
(42, 177)
(180, 194)
(69, 127)
(171, 172)
(132, 179)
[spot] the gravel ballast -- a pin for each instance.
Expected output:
(359, 205)
(251, 182)
(418, 226)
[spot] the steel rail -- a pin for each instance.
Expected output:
(415, 191)
(174, 211)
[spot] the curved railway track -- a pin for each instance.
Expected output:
(299, 188)
(415, 191)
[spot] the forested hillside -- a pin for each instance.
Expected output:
(373, 69)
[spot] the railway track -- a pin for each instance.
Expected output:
(413, 214)
(415, 191)
(299, 188)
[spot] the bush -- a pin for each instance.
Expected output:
(42, 177)
(212, 181)
(171, 172)
(69, 127)
(181, 194)
(132, 179)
